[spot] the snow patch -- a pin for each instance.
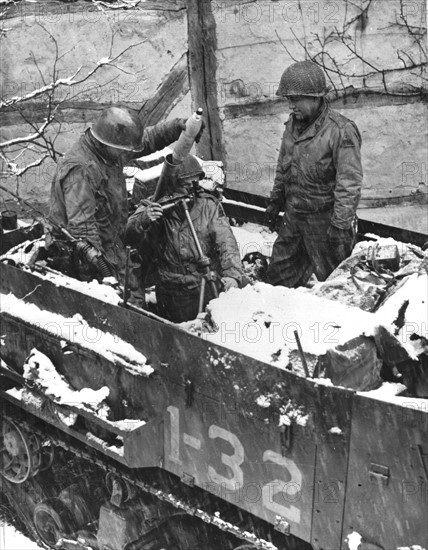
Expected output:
(354, 540)
(335, 430)
(263, 401)
(76, 330)
(290, 413)
(252, 238)
(260, 321)
(41, 370)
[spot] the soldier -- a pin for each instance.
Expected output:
(317, 183)
(88, 194)
(165, 239)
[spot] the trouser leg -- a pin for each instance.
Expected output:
(325, 255)
(289, 265)
(179, 305)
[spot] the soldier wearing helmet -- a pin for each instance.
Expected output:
(317, 182)
(88, 193)
(164, 239)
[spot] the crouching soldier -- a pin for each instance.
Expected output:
(163, 236)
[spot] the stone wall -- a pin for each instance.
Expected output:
(374, 54)
(234, 51)
(47, 41)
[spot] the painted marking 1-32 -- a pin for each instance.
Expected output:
(234, 461)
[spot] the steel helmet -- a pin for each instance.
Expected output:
(303, 78)
(190, 167)
(119, 127)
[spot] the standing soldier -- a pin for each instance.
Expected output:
(89, 196)
(317, 183)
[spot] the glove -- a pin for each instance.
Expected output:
(340, 243)
(336, 234)
(271, 215)
(148, 213)
(228, 283)
(182, 125)
(201, 131)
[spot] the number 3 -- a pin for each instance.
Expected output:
(232, 461)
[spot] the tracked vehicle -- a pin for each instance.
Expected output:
(172, 448)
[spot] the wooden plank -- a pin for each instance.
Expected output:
(357, 100)
(202, 74)
(36, 11)
(67, 111)
(173, 88)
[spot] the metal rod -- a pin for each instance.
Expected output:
(126, 278)
(192, 228)
(202, 258)
(201, 296)
(302, 355)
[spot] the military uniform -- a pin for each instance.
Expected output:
(169, 245)
(89, 197)
(318, 184)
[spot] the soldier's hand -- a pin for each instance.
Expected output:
(336, 234)
(228, 283)
(182, 125)
(271, 215)
(149, 213)
(201, 131)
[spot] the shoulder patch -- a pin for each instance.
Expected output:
(347, 141)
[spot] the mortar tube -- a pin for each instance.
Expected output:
(168, 175)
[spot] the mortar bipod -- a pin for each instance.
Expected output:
(203, 261)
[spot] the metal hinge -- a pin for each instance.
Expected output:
(187, 479)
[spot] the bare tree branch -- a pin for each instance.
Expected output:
(336, 68)
(40, 140)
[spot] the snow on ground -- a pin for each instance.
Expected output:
(11, 539)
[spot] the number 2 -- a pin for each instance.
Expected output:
(291, 513)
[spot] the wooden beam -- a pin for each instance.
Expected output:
(361, 100)
(172, 89)
(67, 112)
(52, 10)
(202, 74)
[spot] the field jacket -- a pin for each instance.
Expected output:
(88, 193)
(169, 245)
(320, 168)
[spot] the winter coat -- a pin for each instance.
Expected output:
(320, 168)
(88, 193)
(170, 245)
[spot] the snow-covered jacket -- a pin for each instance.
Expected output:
(88, 193)
(169, 245)
(320, 168)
